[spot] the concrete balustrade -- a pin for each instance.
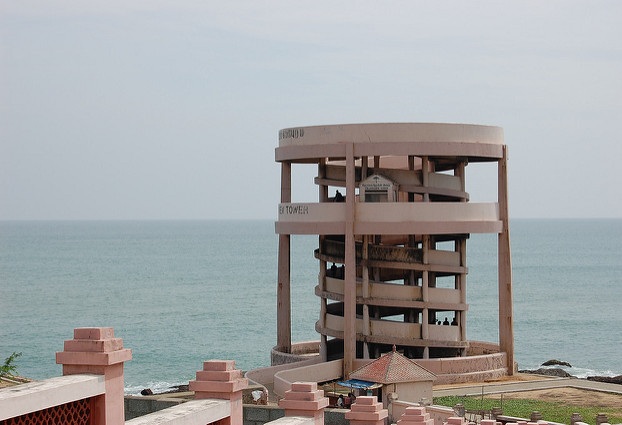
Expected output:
(92, 389)
(193, 412)
(37, 396)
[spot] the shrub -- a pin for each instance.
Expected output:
(9, 368)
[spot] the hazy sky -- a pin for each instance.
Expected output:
(171, 109)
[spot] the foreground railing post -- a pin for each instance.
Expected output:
(96, 351)
(601, 418)
(575, 417)
(415, 416)
(455, 420)
(221, 380)
(304, 399)
(367, 411)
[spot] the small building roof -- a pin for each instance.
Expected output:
(392, 368)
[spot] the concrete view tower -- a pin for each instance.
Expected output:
(393, 218)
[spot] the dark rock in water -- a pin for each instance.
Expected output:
(181, 388)
(607, 379)
(177, 389)
(549, 372)
(171, 390)
(556, 363)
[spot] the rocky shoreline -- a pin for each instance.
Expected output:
(546, 370)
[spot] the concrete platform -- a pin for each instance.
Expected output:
(524, 383)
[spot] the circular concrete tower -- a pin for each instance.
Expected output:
(393, 218)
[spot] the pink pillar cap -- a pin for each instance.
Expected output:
(368, 400)
(93, 333)
(219, 365)
(304, 386)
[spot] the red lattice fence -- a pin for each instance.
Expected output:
(72, 413)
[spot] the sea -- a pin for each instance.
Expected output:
(182, 292)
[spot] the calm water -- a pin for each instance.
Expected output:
(179, 293)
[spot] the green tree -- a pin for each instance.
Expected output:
(9, 368)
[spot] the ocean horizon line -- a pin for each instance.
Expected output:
(195, 220)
